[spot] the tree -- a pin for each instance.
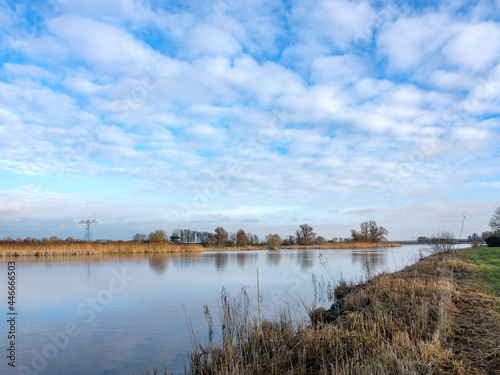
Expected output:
(174, 238)
(441, 241)
(69, 239)
(158, 235)
(241, 238)
(305, 234)
(495, 221)
(220, 236)
(370, 231)
(320, 239)
(139, 237)
(273, 241)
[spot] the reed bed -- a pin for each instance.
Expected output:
(92, 248)
(51, 249)
(400, 323)
(346, 245)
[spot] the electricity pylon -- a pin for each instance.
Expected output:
(88, 229)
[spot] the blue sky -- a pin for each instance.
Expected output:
(260, 115)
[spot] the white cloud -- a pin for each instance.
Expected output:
(212, 40)
(475, 47)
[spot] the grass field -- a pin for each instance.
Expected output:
(488, 263)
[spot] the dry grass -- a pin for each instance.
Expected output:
(87, 248)
(409, 322)
(346, 245)
(50, 249)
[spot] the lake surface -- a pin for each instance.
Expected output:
(124, 314)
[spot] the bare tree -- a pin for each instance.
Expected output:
(139, 237)
(220, 236)
(305, 234)
(370, 231)
(495, 221)
(440, 242)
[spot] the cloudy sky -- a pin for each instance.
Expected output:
(258, 114)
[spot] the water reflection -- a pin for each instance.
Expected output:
(221, 261)
(304, 259)
(138, 336)
(370, 260)
(158, 263)
(273, 257)
(241, 258)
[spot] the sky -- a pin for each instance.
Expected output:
(259, 115)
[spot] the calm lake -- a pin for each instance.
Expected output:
(124, 314)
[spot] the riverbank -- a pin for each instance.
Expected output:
(10, 250)
(440, 316)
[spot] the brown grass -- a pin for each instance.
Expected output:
(95, 248)
(346, 245)
(51, 249)
(432, 317)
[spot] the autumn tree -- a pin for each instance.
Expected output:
(370, 231)
(158, 235)
(273, 241)
(241, 238)
(220, 236)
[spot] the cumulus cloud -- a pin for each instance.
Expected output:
(261, 113)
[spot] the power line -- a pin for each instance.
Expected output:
(88, 229)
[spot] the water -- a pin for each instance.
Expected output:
(124, 314)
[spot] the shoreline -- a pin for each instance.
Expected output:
(96, 248)
(439, 315)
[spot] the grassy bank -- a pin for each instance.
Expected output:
(488, 263)
(434, 317)
(95, 248)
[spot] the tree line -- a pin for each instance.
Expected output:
(304, 235)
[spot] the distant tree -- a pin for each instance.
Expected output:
(305, 234)
(175, 238)
(54, 239)
(255, 239)
(241, 238)
(441, 241)
(370, 231)
(139, 237)
(220, 236)
(9, 239)
(306, 231)
(232, 237)
(495, 221)
(273, 241)
(493, 240)
(69, 240)
(291, 239)
(158, 235)
(320, 239)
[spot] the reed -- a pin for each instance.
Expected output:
(92, 248)
(400, 323)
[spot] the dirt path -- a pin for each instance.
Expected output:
(476, 323)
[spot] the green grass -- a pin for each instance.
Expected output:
(488, 263)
